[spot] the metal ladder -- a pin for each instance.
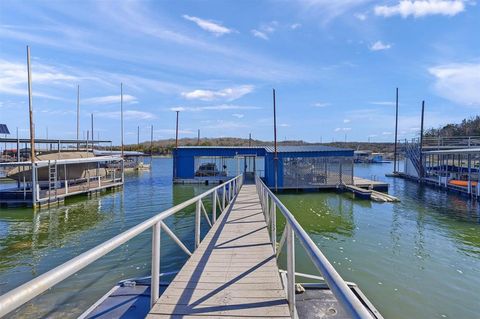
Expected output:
(52, 178)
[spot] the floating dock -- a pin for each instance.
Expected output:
(48, 182)
(232, 273)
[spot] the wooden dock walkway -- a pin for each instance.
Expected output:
(233, 273)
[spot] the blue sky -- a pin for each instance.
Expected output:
(334, 64)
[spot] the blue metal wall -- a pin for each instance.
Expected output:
(184, 159)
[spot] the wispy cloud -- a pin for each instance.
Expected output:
(295, 26)
(13, 78)
(346, 120)
(221, 107)
(238, 115)
(382, 103)
(284, 125)
(360, 16)
(459, 82)
(228, 94)
(343, 129)
(265, 30)
(109, 99)
(328, 9)
(210, 26)
(320, 104)
(380, 46)
(127, 115)
(420, 8)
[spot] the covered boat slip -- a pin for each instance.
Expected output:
(50, 181)
(290, 167)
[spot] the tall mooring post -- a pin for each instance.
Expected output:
(91, 128)
(151, 140)
(78, 116)
(422, 171)
(32, 129)
(121, 115)
(275, 158)
(396, 131)
(176, 148)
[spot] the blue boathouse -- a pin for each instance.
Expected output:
(299, 167)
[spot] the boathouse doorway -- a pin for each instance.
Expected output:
(249, 168)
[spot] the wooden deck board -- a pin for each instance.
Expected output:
(233, 273)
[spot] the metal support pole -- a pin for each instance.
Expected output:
(229, 192)
(273, 229)
(18, 147)
(396, 130)
(421, 142)
(78, 116)
(121, 116)
(223, 198)
(275, 158)
(91, 119)
(291, 269)
(214, 207)
(198, 209)
(155, 279)
(30, 109)
(469, 159)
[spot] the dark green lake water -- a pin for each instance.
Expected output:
(419, 258)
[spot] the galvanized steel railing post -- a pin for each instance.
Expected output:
(155, 279)
(267, 211)
(291, 269)
(214, 207)
(273, 219)
(198, 208)
(223, 198)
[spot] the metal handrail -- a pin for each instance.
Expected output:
(29, 290)
(334, 281)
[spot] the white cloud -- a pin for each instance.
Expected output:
(109, 99)
(458, 82)
(13, 78)
(259, 34)
(360, 16)
(127, 115)
(238, 115)
(209, 26)
(379, 46)
(346, 121)
(329, 9)
(284, 125)
(228, 94)
(320, 104)
(387, 133)
(295, 26)
(221, 107)
(343, 129)
(382, 103)
(421, 8)
(265, 30)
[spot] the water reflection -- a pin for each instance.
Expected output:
(26, 232)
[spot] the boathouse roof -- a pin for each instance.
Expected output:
(280, 148)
